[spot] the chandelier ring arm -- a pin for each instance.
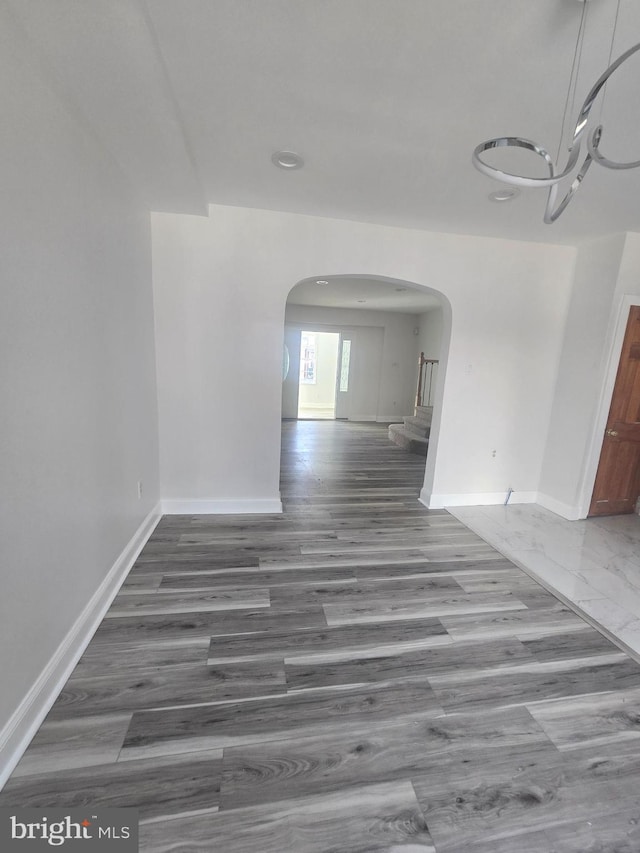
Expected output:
(551, 214)
(522, 180)
(593, 152)
(593, 140)
(593, 145)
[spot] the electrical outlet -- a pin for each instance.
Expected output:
(139, 489)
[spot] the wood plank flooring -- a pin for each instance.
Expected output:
(356, 675)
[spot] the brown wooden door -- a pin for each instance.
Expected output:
(617, 483)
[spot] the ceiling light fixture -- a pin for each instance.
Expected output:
(593, 138)
(506, 194)
(287, 160)
(322, 281)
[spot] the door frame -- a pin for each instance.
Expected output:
(344, 336)
(314, 329)
(616, 338)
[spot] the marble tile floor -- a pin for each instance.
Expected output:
(594, 565)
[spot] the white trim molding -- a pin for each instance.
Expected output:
(240, 506)
(18, 732)
(476, 499)
(571, 513)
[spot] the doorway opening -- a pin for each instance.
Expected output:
(379, 327)
(318, 376)
(617, 484)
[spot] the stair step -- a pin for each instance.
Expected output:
(425, 413)
(417, 426)
(408, 440)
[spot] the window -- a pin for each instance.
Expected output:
(308, 358)
(344, 366)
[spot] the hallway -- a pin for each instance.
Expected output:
(358, 674)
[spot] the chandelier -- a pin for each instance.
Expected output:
(581, 133)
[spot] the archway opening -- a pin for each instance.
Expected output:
(393, 344)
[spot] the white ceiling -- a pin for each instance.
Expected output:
(362, 293)
(384, 99)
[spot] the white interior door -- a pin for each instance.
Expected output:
(342, 384)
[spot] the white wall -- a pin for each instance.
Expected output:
(581, 374)
(429, 339)
(365, 367)
(220, 290)
(290, 384)
(382, 381)
(429, 342)
(397, 373)
(77, 382)
(629, 273)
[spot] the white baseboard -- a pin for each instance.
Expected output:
(571, 513)
(389, 419)
(222, 507)
(362, 418)
(476, 499)
(28, 716)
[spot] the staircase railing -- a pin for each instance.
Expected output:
(426, 368)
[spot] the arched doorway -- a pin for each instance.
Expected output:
(383, 325)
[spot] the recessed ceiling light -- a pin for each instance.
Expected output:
(287, 160)
(362, 300)
(321, 281)
(505, 194)
(400, 289)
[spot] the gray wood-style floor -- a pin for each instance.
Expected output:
(359, 674)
